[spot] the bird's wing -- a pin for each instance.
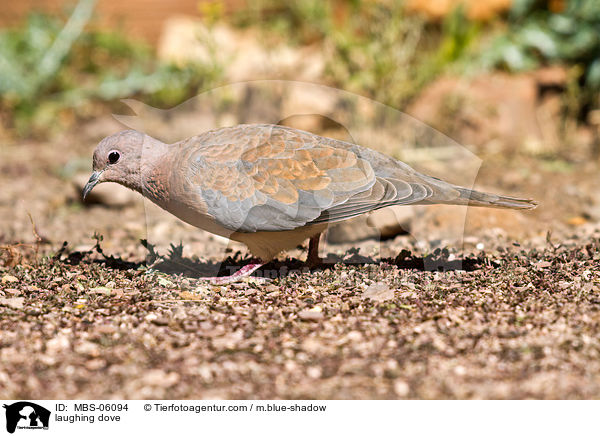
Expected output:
(269, 178)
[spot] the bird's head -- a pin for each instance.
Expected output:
(117, 158)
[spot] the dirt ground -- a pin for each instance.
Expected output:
(510, 311)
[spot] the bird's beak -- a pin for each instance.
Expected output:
(91, 183)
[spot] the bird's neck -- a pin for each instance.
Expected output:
(155, 170)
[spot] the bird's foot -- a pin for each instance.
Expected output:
(313, 262)
(237, 276)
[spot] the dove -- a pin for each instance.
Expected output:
(270, 187)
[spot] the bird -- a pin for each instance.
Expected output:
(270, 187)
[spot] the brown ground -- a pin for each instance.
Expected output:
(519, 320)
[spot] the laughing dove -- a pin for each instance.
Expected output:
(268, 186)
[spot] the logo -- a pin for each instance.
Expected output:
(26, 415)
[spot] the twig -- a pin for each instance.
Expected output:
(38, 238)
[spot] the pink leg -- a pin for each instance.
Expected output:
(237, 276)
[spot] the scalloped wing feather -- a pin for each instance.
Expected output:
(273, 178)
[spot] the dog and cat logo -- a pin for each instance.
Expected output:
(26, 415)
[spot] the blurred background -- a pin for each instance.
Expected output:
(516, 82)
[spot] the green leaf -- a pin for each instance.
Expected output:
(592, 78)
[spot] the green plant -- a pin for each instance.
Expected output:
(54, 70)
(538, 35)
(372, 48)
(375, 53)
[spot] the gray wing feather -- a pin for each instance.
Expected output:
(371, 182)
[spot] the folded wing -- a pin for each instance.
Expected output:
(271, 178)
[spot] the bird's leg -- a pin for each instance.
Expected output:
(237, 276)
(313, 259)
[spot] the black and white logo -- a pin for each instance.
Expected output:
(26, 415)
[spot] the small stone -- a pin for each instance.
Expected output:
(160, 378)
(290, 366)
(576, 221)
(58, 343)
(156, 319)
(106, 329)
(272, 288)
(14, 302)
(378, 292)
(9, 279)
(102, 290)
(87, 348)
(312, 345)
(95, 364)
(354, 336)
(401, 388)
(165, 283)
(161, 320)
(460, 370)
(202, 290)
(314, 372)
(311, 315)
(186, 295)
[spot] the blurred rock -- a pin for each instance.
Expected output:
(576, 221)
(551, 76)
(392, 221)
(474, 9)
(185, 39)
(381, 224)
(320, 125)
(592, 212)
(259, 103)
(489, 108)
(453, 222)
(106, 194)
(318, 100)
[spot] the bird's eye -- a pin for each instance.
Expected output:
(113, 157)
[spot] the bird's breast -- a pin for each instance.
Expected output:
(194, 215)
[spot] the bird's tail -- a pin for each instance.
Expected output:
(471, 197)
(447, 193)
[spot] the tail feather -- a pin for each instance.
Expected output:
(477, 198)
(447, 193)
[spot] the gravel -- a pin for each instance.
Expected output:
(520, 324)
